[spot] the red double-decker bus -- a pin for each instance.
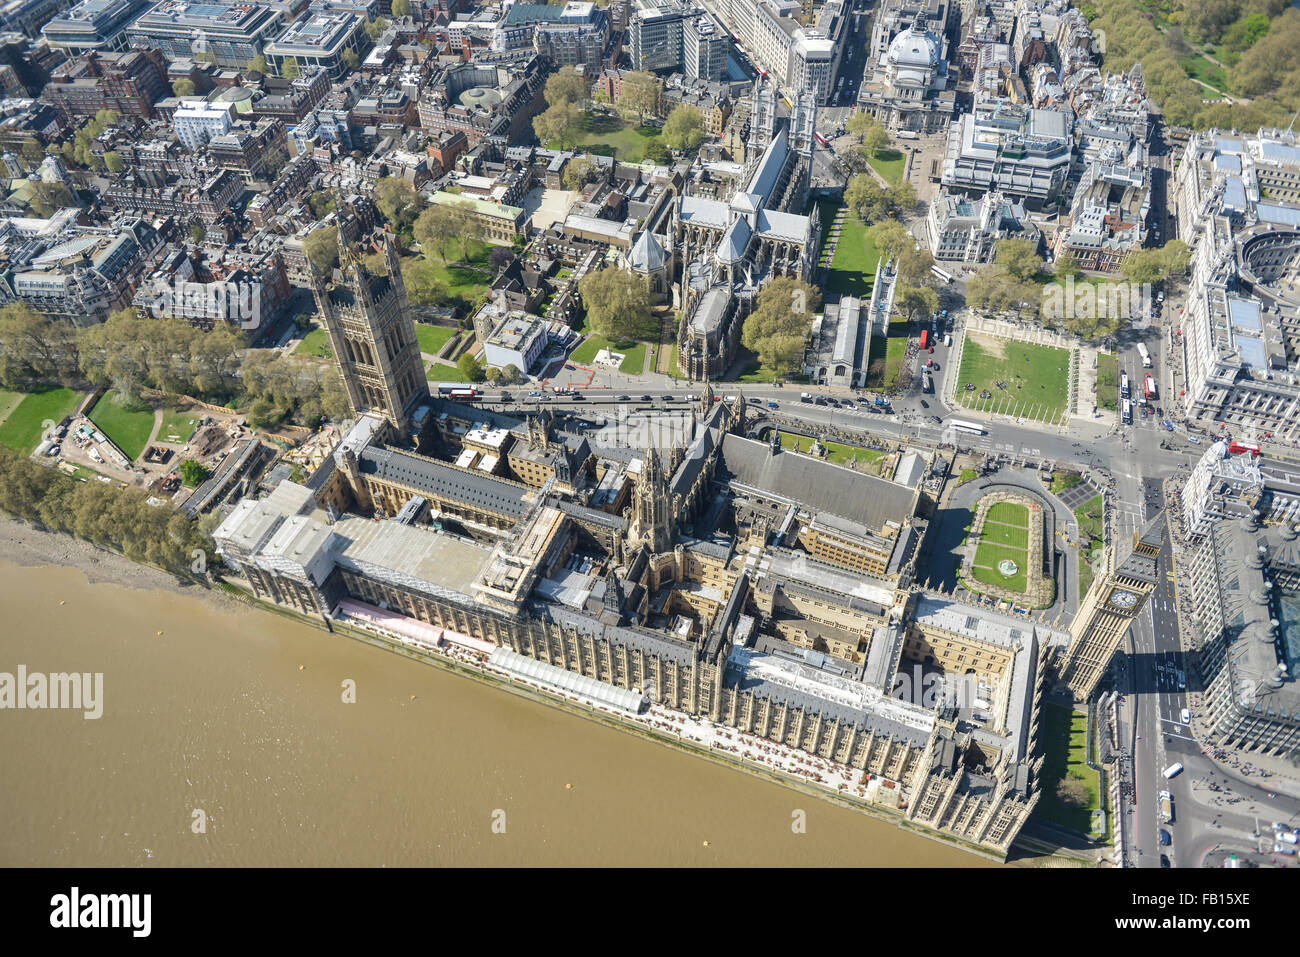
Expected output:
(1240, 448)
(925, 333)
(1150, 385)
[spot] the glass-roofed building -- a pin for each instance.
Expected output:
(232, 32)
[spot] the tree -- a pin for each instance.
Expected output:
(290, 69)
(657, 152)
(916, 303)
(275, 162)
(578, 173)
(561, 125)
(567, 85)
(891, 237)
(469, 367)
(257, 65)
(500, 258)
(193, 473)
(1067, 264)
(46, 198)
(321, 203)
(865, 199)
(349, 59)
(35, 349)
(638, 96)
(375, 28)
(618, 304)
(1177, 257)
(401, 8)
(778, 326)
(439, 227)
(423, 287)
(183, 87)
(395, 197)
(914, 264)
(860, 124)
(1019, 257)
(901, 195)
(321, 247)
(113, 162)
(32, 151)
(1072, 791)
(684, 127)
(876, 140)
(994, 289)
(1143, 266)
(197, 233)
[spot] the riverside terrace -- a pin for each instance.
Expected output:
(722, 609)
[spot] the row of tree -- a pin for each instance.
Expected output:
(103, 514)
(129, 353)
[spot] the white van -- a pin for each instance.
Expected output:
(1173, 770)
(1186, 716)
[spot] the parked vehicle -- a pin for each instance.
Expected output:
(1173, 771)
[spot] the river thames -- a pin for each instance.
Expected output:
(234, 718)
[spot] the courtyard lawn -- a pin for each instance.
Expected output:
(674, 370)
(885, 357)
(1091, 518)
(127, 425)
(1065, 480)
(836, 452)
(1107, 388)
(613, 136)
(633, 360)
(178, 425)
(432, 338)
(1065, 748)
(853, 269)
(889, 164)
(21, 430)
(633, 353)
(443, 372)
(985, 566)
(967, 475)
(315, 343)
(1008, 513)
(1010, 535)
(1035, 378)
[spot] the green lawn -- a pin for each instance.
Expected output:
(633, 353)
(128, 426)
(1064, 480)
(1036, 378)
(673, 369)
(315, 343)
(888, 164)
(1107, 387)
(1091, 518)
(1008, 535)
(1065, 748)
(985, 566)
(1199, 68)
(1008, 513)
(177, 425)
(8, 402)
(853, 269)
(836, 452)
(613, 136)
(967, 475)
(22, 427)
(432, 338)
(442, 372)
(886, 354)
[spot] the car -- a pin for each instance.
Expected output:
(569, 366)
(936, 420)
(1186, 716)
(831, 400)
(924, 404)
(848, 404)
(646, 398)
(1165, 838)
(625, 398)
(773, 405)
(819, 400)
(805, 398)
(754, 401)
(1164, 861)
(575, 395)
(534, 394)
(934, 365)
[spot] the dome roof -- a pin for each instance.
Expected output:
(915, 47)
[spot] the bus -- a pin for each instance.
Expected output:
(946, 277)
(1146, 356)
(908, 135)
(927, 385)
(1149, 386)
(457, 390)
(839, 87)
(1124, 392)
(1241, 448)
(1126, 414)
(821, 139)
(925, 335)
(971, 427)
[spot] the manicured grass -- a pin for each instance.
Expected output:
(1091, 518)
(985, 566)
(673, 369)
(853, 269)
(888, 164)
(1065, 747)
(315, 343)
(836, 452)
(1107, 387)
(633, 360)
(633, 353)
(442, 372)
(1064, 480)
(967, 475)
(1199, 68)
(1035, 377)
(886, 354)
(1008, 535)
(432, 338)
(22, 428)
(178, 425)
(128, 426)
(613, 136)
(1008, 513)
(8, 402)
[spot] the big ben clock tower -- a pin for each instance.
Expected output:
(1108, 609)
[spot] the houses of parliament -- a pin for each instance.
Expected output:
(724, 577)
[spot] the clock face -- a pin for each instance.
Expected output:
(1123, 599)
